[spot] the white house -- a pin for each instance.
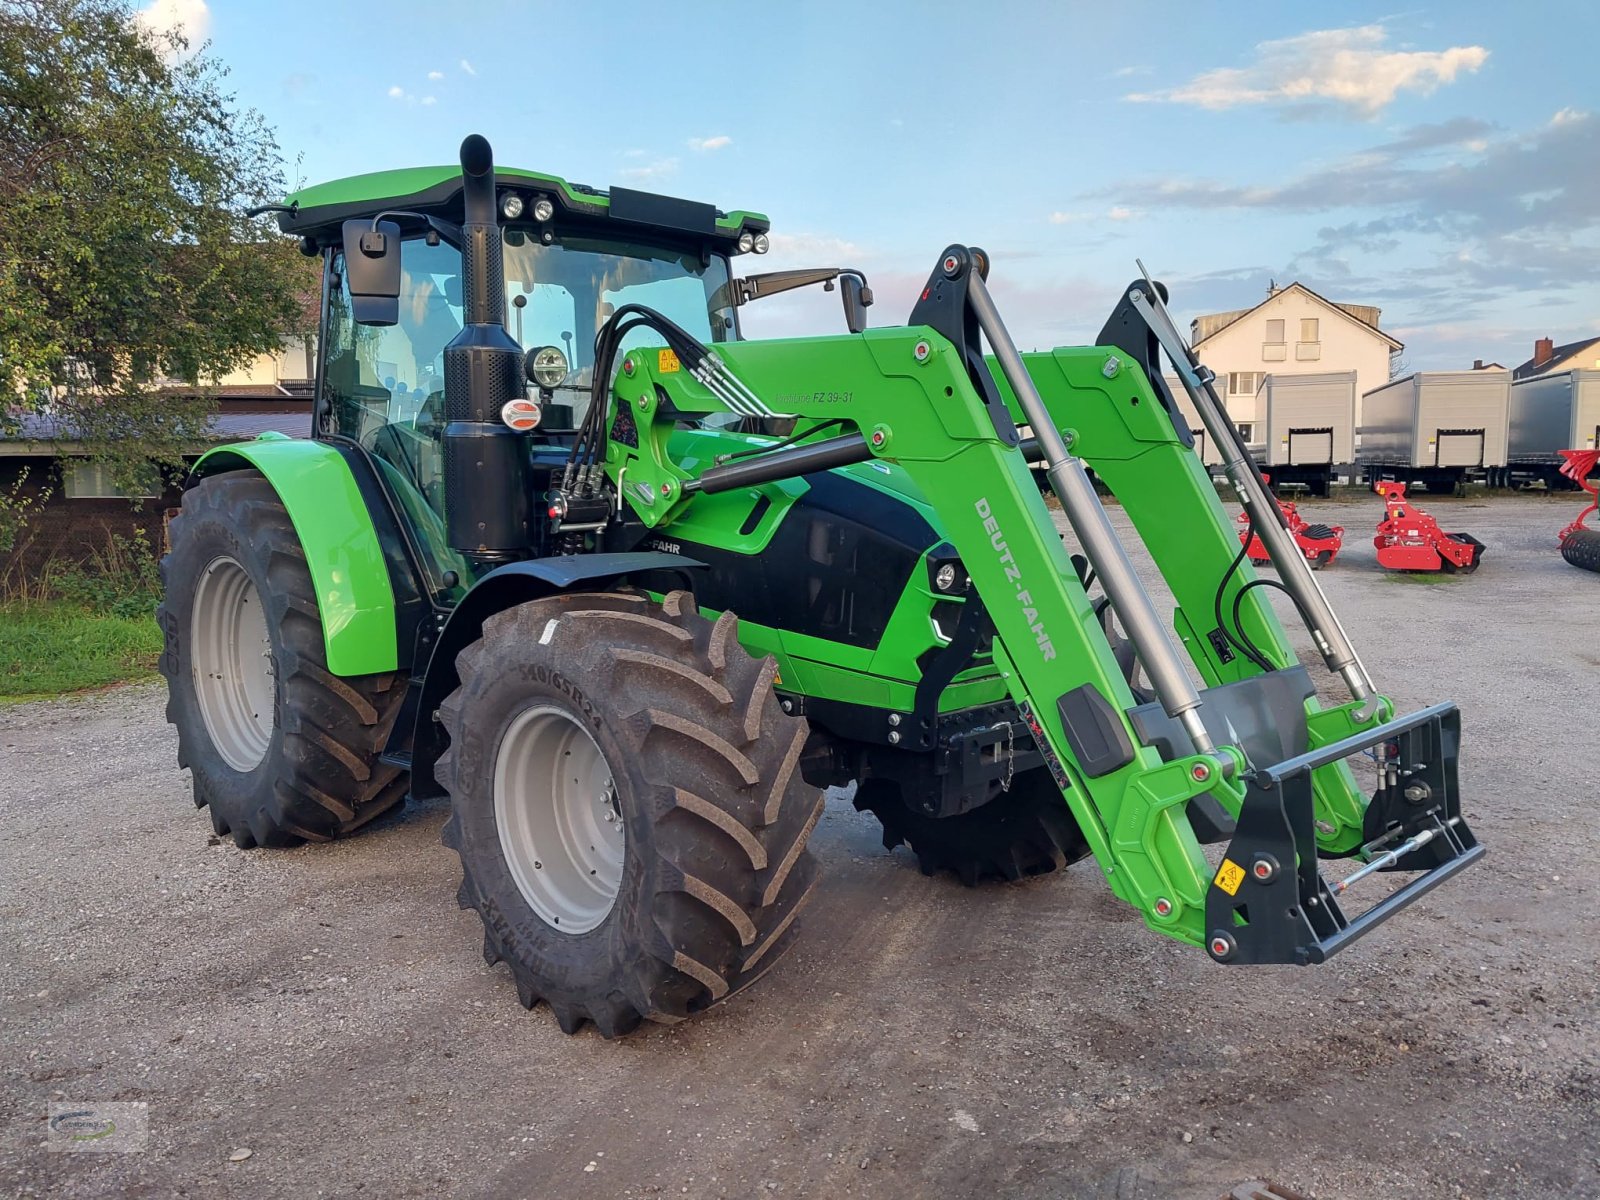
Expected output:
(1293, 331)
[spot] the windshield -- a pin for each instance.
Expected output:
(384, 385)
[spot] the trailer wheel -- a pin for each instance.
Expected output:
(1027, 830)
(627, 802)
(1581, 548)
(280, 750)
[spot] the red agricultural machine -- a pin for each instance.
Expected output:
(1319, 543)
(1410, 540)
(1580, 545)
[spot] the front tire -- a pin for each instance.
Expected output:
(628, 806)
(279, 749)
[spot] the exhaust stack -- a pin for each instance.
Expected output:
(485, 484)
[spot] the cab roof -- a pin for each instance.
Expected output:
(319, 211)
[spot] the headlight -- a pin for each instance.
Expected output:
(543, 210)
(511, 206)
(945, 577)
(762, 244)
(746, 242)
(547, 366)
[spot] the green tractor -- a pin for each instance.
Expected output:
(631, 591)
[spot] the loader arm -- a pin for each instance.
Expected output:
(922, 397)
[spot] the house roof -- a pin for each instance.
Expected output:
(41, 434)
(1355, 312)
(1559, 355)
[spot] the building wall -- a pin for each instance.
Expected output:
(1246, 346)
(295, 359)
(67, 530)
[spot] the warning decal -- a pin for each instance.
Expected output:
(666, 362)
(1229, 876)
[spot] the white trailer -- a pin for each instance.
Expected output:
(1551, 413)
(1438, 428)
(1308, 427)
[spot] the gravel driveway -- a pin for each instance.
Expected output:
(327, 1008)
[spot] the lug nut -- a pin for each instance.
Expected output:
(894, 736)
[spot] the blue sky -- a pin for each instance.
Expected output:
(1442, 163)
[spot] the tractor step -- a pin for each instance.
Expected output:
(1269, 903)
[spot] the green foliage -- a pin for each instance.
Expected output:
(125, 261)
(123, 578)
(47, 648)
(17, 507)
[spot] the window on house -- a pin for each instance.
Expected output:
(92, 481)
(1244, 383)
(1308, 329)
(1275, 330)
(1247, 431)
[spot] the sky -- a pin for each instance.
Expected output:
(1442, 163)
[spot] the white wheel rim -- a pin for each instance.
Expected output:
(230, 657)
(555, 806)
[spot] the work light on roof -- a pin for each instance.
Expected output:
(511, 206)
(762, 244)
(747, 242)
(543, 210)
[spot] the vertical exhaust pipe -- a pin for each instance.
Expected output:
(486, 508)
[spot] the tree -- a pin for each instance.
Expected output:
(126, 263)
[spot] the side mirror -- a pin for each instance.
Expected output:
(857, 298)
(372, 271)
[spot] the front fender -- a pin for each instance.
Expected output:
(355, 597)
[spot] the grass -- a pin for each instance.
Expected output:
(1424, 578)
(50, 647)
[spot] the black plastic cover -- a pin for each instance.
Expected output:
(1094, 730)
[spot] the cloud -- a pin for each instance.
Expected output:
(181, 26)
(1066, 217)
(651, 172)
(1481, 213)
(1328, 67)
(397, 92)
(702, 145)
(467, 67)
(435, 76)
(428, 101)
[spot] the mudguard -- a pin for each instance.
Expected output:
(355, 596)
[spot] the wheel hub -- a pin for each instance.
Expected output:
(560, 824)
(230, 659)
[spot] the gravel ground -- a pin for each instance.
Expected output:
(327, 1009)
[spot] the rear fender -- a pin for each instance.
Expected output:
(355, 596)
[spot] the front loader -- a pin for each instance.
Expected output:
(630, 590)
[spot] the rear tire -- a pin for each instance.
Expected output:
(279, 749)
(1026, 831)
(691, 893)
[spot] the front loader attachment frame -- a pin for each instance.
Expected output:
(1249, 756)
(1268, 902)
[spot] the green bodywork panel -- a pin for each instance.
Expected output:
(355, 598)
(391, 189)
(926, 423)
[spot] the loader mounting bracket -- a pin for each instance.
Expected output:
(1269, 902)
